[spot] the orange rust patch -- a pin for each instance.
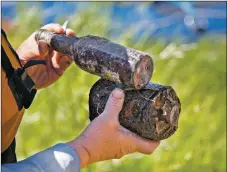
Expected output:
(137, 79)
(128, 110)
(143, 66)
(158, 102)
(161, 127)
(142, 73)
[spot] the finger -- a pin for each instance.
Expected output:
(56, 59)
(147, 147)
(43, 48)
(65, 62)
(54, 27)
(114, 104)
(70, 32)
(60, 63)
(143, 145)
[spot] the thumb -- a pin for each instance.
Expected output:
(114, 104)
(43, 48)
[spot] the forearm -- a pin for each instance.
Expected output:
(79, 145)
(59, 158)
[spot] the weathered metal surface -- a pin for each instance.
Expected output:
(104, 58)
(151, 112)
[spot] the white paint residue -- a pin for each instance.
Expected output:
(131, 61)
(90, 62)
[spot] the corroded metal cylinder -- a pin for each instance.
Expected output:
(104, 58)
(151, 112)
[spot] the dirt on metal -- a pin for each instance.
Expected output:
(151, 112)
(101, 57)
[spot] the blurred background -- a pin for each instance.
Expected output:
(187, 41)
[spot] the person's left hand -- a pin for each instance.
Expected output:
(56, 63)
(104, 138)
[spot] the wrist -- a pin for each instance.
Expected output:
(81, 150)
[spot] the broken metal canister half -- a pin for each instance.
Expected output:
(151, 112)
(101, 57)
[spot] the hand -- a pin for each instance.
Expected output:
(56, 63)
(106, 139)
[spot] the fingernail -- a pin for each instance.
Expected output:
(118, 93)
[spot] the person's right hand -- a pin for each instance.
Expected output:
(106, 139)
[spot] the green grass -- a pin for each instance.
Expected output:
(60, 112)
